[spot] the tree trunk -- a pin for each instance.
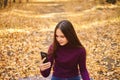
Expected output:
(14, 1)
(5, 3)
(27, 0)
(20, 1)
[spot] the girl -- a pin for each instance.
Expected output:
(66, 55)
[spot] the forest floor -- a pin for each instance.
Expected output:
(27, 28)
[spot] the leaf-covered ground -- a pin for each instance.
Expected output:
(27, 28)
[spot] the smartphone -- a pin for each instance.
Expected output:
(44, 55)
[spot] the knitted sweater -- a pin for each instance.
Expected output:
(69, 62)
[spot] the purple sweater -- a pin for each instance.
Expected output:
(66, 63)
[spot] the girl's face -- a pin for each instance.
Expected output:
(62, 40)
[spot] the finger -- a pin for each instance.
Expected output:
(45, 66)
(48, 64)
(43, 60)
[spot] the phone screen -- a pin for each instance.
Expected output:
(43, 55)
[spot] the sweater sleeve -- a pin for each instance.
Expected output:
(51, 59)
(82, 65)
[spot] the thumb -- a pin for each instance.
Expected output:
(43, 60)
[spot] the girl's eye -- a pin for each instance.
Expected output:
(62, 36)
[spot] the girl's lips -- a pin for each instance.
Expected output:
(60, 42)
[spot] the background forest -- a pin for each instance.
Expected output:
(26, 28)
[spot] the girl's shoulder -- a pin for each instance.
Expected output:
(81, 50)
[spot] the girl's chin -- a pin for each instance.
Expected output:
(62, 44)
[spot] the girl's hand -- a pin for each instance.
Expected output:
(44, 66)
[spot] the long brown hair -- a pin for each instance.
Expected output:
(67, 29)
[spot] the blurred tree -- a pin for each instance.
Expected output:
(5, 3)
(111, 1)
(20, 1)
(1, 3)
(14, 1)
(27, 0)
